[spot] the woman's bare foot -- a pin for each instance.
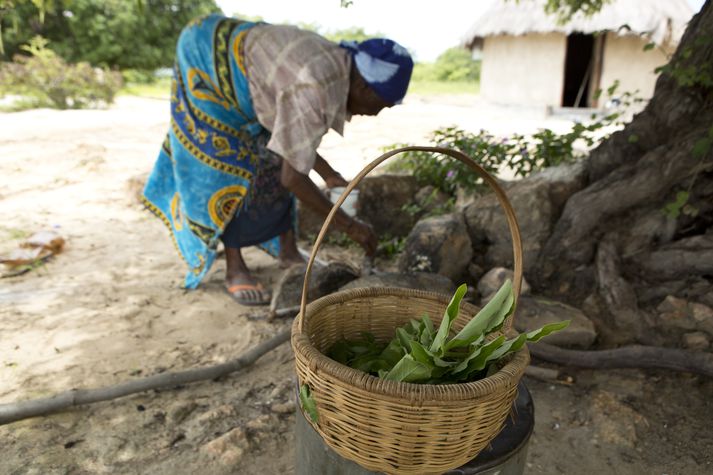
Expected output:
(289, 254)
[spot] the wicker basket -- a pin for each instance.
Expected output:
(388, 426)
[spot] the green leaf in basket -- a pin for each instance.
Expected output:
(548, 329)
(408, 370)
(420, 354)
(448, 317)
(426, 335)
(307, 403)
(478, 358)
(392, 353)
(489, 319)
(404, 337)
(517, 343)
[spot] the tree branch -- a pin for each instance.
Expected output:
(645, 357)
(38, 407)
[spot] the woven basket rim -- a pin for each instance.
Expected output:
(508, 375)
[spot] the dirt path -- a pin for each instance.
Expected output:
(110, 308)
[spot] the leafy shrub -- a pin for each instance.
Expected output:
(457, 64)
(48, 81)
(453, 65)
(138, 76)
(119, 34)
(522, 154)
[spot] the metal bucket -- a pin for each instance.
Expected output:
(506, 454)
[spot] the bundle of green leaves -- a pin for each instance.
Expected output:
(421, 354)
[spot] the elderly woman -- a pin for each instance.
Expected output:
(250, 103)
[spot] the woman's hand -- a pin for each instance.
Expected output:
(335, 180)
(363, 234)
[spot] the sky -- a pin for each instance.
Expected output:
(426, 28)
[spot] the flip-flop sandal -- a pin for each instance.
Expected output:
(249, 294)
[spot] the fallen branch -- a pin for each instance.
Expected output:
(38, 407)
(644, 357)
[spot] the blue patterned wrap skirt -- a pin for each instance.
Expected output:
(214, 178)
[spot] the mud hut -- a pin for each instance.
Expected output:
(529, 58)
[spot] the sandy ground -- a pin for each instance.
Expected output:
(109, 308)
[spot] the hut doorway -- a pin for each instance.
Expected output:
(582, 69)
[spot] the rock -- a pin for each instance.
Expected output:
(220, 412)
(259, 423)
(283, 408)
(281, 389)
(177, 413)
(707, 298)
(323, 281)
(430, 199)
(309, 223)
(464, 198)
(703, 316)
(475, 271)
(261, 429)
(381, 199)
(439, 244)
(696, 341)
(534, 312)
(416, 280)
(537, 200)
(229, 447)
(615, 422)
(495, 278)
(680, 314)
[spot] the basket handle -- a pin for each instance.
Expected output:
(502, 198)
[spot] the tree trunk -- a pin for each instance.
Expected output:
(613, 237)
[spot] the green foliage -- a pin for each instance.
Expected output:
(566, 9)
(349, 34)
(453, 65)
(680, 205)
(523, 154)
(48, 81)
(420, 354)
(308, 404)
(457, 64)
(390, 246)
(686, 69)
(114, 33)
(138, 76)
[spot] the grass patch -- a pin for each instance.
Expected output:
(434, 88)
(161, 88)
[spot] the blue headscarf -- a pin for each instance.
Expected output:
(384, 64)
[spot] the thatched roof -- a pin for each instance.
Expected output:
(662, 21)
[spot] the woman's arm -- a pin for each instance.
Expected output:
(330, 176)
(306, 191)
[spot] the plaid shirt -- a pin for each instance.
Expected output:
(299, 83)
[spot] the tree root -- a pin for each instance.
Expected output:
(626, 357)
(38, 407)
(644, 357)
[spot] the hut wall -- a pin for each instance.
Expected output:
(523, 70)
(626, 60)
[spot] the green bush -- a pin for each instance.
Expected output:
(46, 80)
(138, 76)
(522, 154)
(453, 65)
(139, 34)
(457, 64)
